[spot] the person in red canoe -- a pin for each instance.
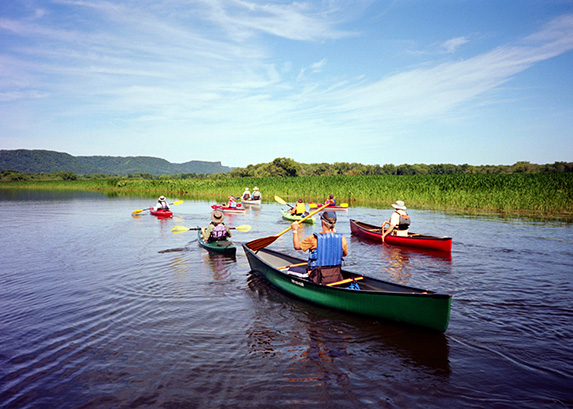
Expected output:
(161, 204)
(326, 250)
(217, 230)
(331, 201)
(399, 221)
(231, 203)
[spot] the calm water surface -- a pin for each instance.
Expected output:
(102, 310)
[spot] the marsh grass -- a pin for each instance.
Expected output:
(541, 195)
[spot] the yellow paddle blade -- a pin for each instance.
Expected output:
(312, 205)
(243, 227)
(137, 211)
(281, 201)
(179, 229)
(177, 202)
(343, 205)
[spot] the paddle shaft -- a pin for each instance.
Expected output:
(301, 220)
(258, 244)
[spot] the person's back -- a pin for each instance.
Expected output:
(326, 251)
(218, 232)
(246, 194)
(325, 261)
(300, 208)
(256, 194)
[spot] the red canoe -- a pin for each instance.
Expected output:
(225, 209)
(161, 212)
(374, 233)
(329, 207)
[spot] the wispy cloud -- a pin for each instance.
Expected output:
(211, 66)
(453, 44)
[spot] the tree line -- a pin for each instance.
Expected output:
(289, 168)
(285, 167)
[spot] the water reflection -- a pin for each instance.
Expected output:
(319, 337)
(396, 264)
(219, 264)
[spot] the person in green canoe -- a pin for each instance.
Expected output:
(217, 230)
(299, 209)
(326, 250)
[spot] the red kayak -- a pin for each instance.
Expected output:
(374, 233)
(225, 209)
(161, 212)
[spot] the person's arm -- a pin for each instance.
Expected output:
(295, 239)
(344, 247)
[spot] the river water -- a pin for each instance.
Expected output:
(102, 310)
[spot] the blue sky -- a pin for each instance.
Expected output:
(247, 81)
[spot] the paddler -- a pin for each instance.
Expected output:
(161, 204)
(299, 208)
(399, 221)
(217, 230)
(326, 250)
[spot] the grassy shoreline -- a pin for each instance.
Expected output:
(536, 195)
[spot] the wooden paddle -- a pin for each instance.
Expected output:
(143, 210)
(181, 229)
(258, 244)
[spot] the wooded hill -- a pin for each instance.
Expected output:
(43, 161)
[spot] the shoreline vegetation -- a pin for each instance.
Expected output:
(544, 195)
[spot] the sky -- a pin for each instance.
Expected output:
(247, 81)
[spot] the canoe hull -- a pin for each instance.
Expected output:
(251, 202)
(374, 233)
(220, 247)
(237, 210)
(378, 299)
(161, 212)
(287, 216)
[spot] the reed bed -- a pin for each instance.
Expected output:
(542, 195)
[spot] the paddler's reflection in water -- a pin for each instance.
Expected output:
(396, 262)
(219, 264)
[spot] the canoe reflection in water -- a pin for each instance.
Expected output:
(328, 346)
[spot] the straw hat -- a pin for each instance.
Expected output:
(217, 216)
(399, 205)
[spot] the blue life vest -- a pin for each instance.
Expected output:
(328, 250)
(218, 233)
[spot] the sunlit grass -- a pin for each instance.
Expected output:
(537, 194)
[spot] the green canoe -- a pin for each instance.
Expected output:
(222, 246)
(376, 298)
(287, 216)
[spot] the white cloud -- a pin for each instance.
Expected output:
(453, 44)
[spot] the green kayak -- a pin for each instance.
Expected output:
(287, 216)
(222, 246)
